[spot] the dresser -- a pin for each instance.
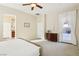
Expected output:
(52, 37)
(13, 34)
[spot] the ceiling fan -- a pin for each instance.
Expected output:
(33, 5)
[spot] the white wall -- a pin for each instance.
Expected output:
(27, 33)
(21, 32)
(51, 22)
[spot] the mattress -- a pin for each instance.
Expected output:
(18, 47)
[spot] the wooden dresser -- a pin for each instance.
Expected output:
(52, 37)
(13, 34)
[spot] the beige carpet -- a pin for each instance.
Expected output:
(57, 49)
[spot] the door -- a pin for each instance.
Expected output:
(6, 30)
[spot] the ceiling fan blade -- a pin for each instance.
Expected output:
(26, 4)
(39, 6)
(32, 8)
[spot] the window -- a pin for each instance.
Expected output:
(67, 23)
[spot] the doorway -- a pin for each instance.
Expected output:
(9, 26)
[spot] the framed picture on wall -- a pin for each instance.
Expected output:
(26, 25)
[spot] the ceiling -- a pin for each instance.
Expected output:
(47, 7)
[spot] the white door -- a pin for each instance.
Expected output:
(40, 26)
(6, 30)
(40, 30)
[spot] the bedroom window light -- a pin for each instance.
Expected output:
(66, 32)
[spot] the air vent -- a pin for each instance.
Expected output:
(37, 14)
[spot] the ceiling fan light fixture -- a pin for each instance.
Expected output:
(33, 5)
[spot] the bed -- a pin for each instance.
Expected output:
(18, 47)
(49, 48)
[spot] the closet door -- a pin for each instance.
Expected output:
(67, 22)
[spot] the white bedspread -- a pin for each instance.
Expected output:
(18, 47)
(49, 48)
